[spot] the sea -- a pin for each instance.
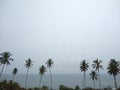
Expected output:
(69, 80)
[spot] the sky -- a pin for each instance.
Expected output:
(67, 31)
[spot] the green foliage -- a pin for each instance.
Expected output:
(118, 88)
(42, 70)
(62, 87)
(49, 63)
(88, 88)
(5, 58)
(15, 70)
(93, 75)
(28, 63)
(9, 85)
(113, 67)
(44, 88)
(108, 88)
(35, 88)
(77, 87)
(97, 65)
(84, 66)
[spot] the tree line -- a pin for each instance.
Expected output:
(112, 69)
(6, 58)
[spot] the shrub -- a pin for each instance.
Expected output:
(9, 85)
(62, 87)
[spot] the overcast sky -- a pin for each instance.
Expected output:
(67, 31)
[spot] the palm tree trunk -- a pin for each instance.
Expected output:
(2, 70)
(13, 77)
(51, 78)
(94, 83)
(84, 80)
(26, 78)
(40, 82)
(115, 82)
(99, 79)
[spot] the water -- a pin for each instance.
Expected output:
(70, 80)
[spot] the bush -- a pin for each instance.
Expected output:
(44, 88)
(62, 87)
(77, 87)
(108, 88)
(9, 85)
(118, 88)
(88, 88)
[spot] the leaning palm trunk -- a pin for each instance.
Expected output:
(115, 82)
(83, 81)
(2, 70)
(13, 77)
(40, 82)
(51, 79)
(94, 83)
(26, 78)
(99, 79)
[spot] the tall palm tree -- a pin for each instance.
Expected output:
(113, 69)
(5, 60)
(14, 72)
(84, 67)
(93, 76)
(97, 66)
(42, 71)
(28, 65)
(49, 65)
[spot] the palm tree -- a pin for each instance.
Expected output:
(28, 66)
(5, 60)
(49, 65)
(42, 71)
(97, 66)
(14, 72)
(84, 67)
(93, 76)
(113, 69)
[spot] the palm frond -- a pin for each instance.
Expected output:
(28, 63)
(84, 66)
(97, 65)
(113, 67)
(49, 63)
(5, 58)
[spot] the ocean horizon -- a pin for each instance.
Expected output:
(70, 80)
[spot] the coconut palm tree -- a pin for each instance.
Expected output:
(28, 65)
(5, 60)
(14, 72)
(93, 76)
(97, 66)
(113, 69)
(84, 67)
(42, 71)
(49, 65)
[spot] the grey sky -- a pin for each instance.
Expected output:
(67, 31)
